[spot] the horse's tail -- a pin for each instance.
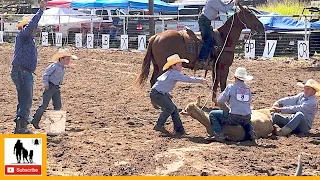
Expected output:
(145, 69)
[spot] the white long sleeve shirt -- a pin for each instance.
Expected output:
(212, 8)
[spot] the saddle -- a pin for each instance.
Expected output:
(193, 44)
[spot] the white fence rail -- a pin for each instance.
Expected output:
(132, 31)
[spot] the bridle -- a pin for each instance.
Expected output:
(245, 25)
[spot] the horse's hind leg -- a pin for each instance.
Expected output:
(224, 76)
(216, 80)
(153, 80)
(155, 75)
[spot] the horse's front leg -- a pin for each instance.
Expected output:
(224, 71)
(216, 80)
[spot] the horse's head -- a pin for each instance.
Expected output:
(249, 20)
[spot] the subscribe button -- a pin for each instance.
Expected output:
(22, 170)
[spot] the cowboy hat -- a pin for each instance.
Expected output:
(63, 53)
(242, 74)
(313, 84)
(172, 60)
(25, 21)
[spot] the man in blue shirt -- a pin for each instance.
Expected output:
(236, 110)
(23, 65)
(303, 107)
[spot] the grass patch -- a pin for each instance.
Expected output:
(287, 7)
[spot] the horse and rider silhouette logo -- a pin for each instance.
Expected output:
(22, 153)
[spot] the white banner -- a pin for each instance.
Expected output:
(250, 48)
(1, 37)
(90, 41)
(59, 39)
(269, 48)
(45, 36)
(303, 49)
(124, 42)
(142, 42)
(79, 40)
(105, 41)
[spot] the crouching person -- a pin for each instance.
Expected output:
(303, 107)
(52, 79)
(236, 110)
(160, 96)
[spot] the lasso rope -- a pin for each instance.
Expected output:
(215, 64)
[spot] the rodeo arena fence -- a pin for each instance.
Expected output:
(132, 32)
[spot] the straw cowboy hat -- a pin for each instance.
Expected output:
(25, 21)
(63, 53)
(242, 74)
(172, 60)
(313, 84)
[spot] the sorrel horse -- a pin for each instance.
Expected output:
(170, 42)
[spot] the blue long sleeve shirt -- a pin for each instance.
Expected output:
(54, 73)
(298, 103)
(25, 51)
(166, 82)
(238, 96)
(212, 8)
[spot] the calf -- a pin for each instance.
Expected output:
(261, 121)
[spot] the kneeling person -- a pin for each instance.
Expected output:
(235, 104)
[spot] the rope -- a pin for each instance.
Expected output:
(215, 64)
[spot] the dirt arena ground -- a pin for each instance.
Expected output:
(109, 124)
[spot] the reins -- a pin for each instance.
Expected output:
(215, 64)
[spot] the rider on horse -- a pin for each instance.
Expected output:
(209, 13)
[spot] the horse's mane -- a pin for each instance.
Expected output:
(228, 22)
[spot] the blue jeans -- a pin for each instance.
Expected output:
(23, 80)
(168, 109)
(297, 122)
(206, 34)
(220, 117)
(217, 119)
(52, 93)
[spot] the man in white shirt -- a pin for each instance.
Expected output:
(209, 13)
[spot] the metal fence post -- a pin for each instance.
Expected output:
(2, 22)
(162, 23)
(124, 25)
(151, 19)
(305, 27)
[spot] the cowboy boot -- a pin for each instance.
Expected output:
(285, 131)
(218, 137)
(22, 126)
(35, 124)
(15, 128)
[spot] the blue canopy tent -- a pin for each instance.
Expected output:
(124, 4)
(286, 23)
